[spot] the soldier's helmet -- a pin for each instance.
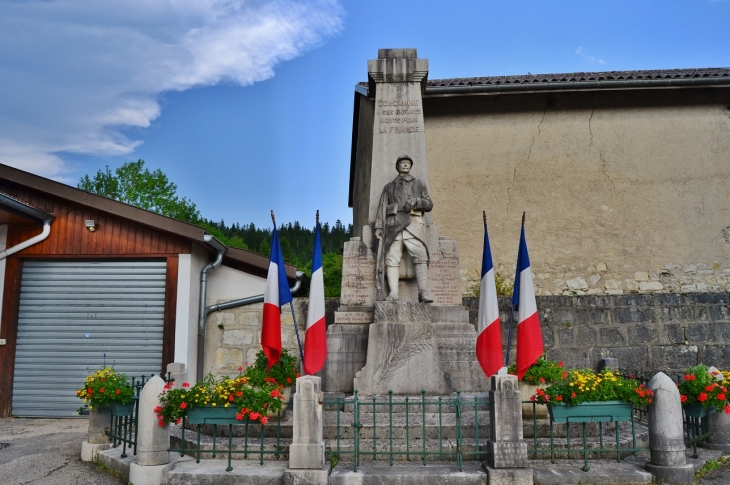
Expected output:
(403, 157)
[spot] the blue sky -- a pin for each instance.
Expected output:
(247, 105)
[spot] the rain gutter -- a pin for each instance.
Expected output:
(220, 251)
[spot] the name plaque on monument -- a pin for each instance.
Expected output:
(353, 317)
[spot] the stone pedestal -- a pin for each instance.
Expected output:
(347, 346)
(506, 447)
(307, 448)
(719, 423)
(666, 437)
(90, 451)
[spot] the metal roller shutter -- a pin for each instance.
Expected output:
(76, 316)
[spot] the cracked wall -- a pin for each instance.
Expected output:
(625, 191)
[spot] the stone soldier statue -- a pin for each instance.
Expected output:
(400, 223)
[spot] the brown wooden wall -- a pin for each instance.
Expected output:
(114, 238)
(69, 236)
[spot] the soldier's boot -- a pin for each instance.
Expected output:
(393, 274)
(422, 282)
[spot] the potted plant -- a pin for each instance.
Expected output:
(282, 374)
(542, 373)
(586, 396)
(702, 392)
(107, 388)
(225, 400)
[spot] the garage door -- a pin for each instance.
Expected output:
(77, 316)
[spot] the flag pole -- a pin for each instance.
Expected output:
(512, 314)
(291, 306)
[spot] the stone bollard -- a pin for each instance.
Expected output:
(153, 440)
(99, 422)
(507, 450)
(666, 435)
(177, 372)
(306, 453)
(719, 424)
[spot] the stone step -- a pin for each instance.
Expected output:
(415, 403)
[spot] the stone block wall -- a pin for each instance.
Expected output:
(665, 331)
(233, 337)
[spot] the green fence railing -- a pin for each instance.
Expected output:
(600, 425)
(248, 438)
(421, 428)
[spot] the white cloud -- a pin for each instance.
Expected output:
(73, 73)
(582, 53)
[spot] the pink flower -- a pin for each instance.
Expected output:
(264, 419)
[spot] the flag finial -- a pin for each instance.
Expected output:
(523, 218)
(273, 218)
(484, 216)
(317, 216)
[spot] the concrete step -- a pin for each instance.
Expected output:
(383, 403)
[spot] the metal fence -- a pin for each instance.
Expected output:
(248, 438)
(598, 436)
(408, 428)
(123, 423)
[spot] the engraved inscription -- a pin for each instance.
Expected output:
(353, 317)
(444, 281)
(399, 115)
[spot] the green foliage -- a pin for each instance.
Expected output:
(283, 373)
(134, 184)
(712, 465)
(504, 286)
(585, 385)
(543, 371)
(104, 387)
(699, 387)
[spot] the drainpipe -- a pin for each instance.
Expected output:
(29, 242)
(251, 299)
(221, 250)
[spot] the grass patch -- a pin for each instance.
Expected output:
(711, 465)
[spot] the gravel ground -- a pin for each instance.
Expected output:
(47, 451)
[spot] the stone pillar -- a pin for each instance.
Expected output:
(99, 422)
(153, 440)
(307, 448)
(719, 423)
(507, 450)
(666, 437)
(177, 372)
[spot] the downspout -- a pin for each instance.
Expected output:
(29, 242)
(251, 299)
(221, 250)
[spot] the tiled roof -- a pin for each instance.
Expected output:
(578, 77)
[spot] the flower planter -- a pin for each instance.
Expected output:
(540, 410)
(697, 411)
(592, 412)
(213, 415)
(120, 410)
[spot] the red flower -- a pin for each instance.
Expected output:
(573, 395)
(542, 379)
(288, 380)
(239, 417)
(727, 409)
(89, 390)
(178, 420)
(230, 397)
(158, 409)
(721, 397)
(561, 364)
(186, 384)
(239, 393)
(275, 393)
(702, 397)
(540, 392)
(532, 398)
(101, 390)
(558, 398)
(264, 419)
(710, 387)
(183, 405)
(683, 398)
(161, 422)
(240, 369)
(119, 391)
(254, 415)
(564, 375)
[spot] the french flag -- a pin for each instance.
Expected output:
(315, 340)
(489, 339)
(277, 294)
(529, 334)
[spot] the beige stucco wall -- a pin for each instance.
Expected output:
(624, 191)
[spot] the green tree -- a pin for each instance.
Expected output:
(135, 185)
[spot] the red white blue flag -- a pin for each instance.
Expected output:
(529, 334)
(489, 338)
(277, 294)
(315, 339)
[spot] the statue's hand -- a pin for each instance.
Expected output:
(410, 204)
(379, 233)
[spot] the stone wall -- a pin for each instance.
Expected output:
(644, 331)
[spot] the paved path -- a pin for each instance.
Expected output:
(47, 452)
